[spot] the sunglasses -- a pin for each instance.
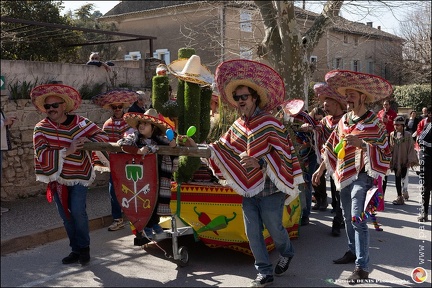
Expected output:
(243, 97)
(55, 105)
(116, 107)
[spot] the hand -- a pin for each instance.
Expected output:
(316, 176)
(9, 121)
(184, 140)
(249, 162)
(353, 140)
(76, 144)
(143, 151)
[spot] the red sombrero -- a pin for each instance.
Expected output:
(324, 91)
(70, 96)
(374, 87)
(260, 77)
(191, 70)
(293, 106)
(151, 115)
(125, 97)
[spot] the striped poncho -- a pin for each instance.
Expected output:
(376, 159)
(50, 141)
(262, 136)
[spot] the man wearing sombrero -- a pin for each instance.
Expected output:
(115, 100)
(362, 156)
(257, 159)
(60, 162)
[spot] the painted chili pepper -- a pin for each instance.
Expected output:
(204, 218)
(220, 222)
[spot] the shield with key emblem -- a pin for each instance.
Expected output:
(135, 180)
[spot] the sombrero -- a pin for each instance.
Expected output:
(374, 87)
(151, 115)
(260, 77)
(70, 96)
(191, 70)
(125, 97)
(293, 106)
(324, 91)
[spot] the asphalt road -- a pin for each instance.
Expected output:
(116, 262)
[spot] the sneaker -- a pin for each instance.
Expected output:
(348, 257)
(398, 201)
(282, 265)
(357, 276)
(304, 221)
(116, 225)
(423, 218)
(316, 206)
(405, 195)
(262, 280)
(158, 229)
(71, 258)
(148, 232)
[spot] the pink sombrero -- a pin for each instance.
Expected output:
(374, 87)
(125, 97)
(151, 115)
(293, 106)
(258, 76)
(191, 70)
(324, 91)
(70, 96)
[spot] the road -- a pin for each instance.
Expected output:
(403, 245)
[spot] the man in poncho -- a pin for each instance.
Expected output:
(257, 159)
(362, 157)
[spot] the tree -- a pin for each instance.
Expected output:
(35, 43)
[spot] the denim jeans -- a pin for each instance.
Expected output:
(266, 211)
(77, 226)
(116, 211)
(352, 203)
(312, 159)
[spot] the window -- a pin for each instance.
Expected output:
(313, 60)
(245, 53)
(371, 67)
(356, 66)
(338, 63)
(162, 54)
(346, 39)
(245, 21)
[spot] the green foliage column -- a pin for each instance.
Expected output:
(160, 93)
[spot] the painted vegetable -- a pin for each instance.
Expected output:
(341, 153)
(220, 222)
(204, 218)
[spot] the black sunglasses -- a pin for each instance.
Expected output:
(54, 105)
(116, 107)
(243, 97)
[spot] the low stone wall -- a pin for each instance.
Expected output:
(18, 179)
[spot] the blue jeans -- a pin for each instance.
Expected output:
(312, 159)
(266, 211)
(77, 226)
(352, 203)
(116, 211)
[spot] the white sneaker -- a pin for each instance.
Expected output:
(116, 225)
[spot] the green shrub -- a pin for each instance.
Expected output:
(88, 91)
(22, 90)
(415, 96)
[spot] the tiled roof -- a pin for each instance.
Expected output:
(340, 24)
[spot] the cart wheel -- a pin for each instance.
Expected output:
(184, 256)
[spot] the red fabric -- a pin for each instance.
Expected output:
(63, 193)
(390, 115)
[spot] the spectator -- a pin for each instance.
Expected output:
(365, 152)
(6, 123)
(257, 159)
(424, 113)
(115, 127)
(411, 123)
(94, 59)
(60, 161)
(141, 104)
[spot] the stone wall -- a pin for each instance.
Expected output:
(18, 179)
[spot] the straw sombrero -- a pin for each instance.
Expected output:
(324, 91)
(191, 70)
(125, 97)
(151, 115)
(260, 77)
(293, 106)
(70, 96)
(374, 87)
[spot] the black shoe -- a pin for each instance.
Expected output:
(282, 265)
(423, 218)
(323, 205)
(304, 221)
(72, 258)
(84, 256)
(349, 257)
(316, 206)
(335, 231)
(358, 275)
(262, 280)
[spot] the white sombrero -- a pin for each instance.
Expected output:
(70, 96)
(374, 87)
(191, 70)
(258, 76)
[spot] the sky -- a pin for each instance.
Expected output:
(380, 15)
